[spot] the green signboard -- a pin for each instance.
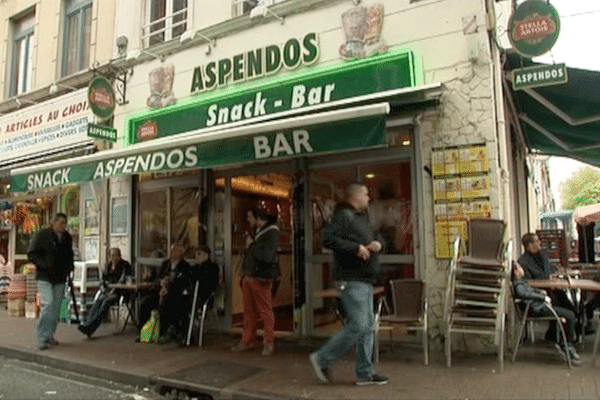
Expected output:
(544, 75)
(102, 132)
(381, 73)
(348, 134)
(533, 28)
(101, 97)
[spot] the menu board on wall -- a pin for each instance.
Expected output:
(461, 190)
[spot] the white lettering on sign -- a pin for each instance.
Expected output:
(223, 115)
(316, 95)
(281, 145)
(173, 159)
(538, 76)
(48, 179)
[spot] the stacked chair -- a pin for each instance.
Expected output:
(477, 285)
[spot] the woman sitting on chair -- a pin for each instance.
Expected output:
(541, 306)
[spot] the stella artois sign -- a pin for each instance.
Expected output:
(101, 97)
(534, 28)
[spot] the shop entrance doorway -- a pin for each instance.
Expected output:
(272, 192)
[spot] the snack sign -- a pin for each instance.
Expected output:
(534, 28)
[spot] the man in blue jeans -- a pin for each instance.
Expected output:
(350, 236)
(51, 250)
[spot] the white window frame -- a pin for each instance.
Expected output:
(21, 74)
(76, 9)
(167, 30)
(241, 7)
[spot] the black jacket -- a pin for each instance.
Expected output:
(536, 267)
(53, 259)
(525, 292)
(181, 269)
(347, 230)
(118, 273)
(260, 259)
(207, 274)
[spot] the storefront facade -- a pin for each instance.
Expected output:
(50, 130)
(285, 115)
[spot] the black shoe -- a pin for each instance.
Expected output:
(374, 379)
(85, 330)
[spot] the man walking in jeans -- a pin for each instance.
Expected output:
(51, 250)
(351, 238)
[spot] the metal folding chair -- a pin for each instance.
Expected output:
(410, 307)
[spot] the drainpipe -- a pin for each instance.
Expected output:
(498, 116)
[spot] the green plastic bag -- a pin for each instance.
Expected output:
(150, 332)
(64, 314)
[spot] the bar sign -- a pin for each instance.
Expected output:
(102, 132)
(545, 75)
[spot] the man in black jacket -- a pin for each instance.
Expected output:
(541, 305)
(51, 250)
(536, 265)
(534, 260)
(350, 236)
(165, 297)
(115, 271)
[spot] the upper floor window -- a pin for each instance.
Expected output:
(167, 20)
(22, 55)
(76, 43)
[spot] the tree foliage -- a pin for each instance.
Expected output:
(582, 189)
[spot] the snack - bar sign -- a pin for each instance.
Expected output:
(256, 63)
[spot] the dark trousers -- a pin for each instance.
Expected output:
(173, 309)
(569, 326)
(98, 311)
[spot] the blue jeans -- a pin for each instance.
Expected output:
(357, 300)
(51, 297)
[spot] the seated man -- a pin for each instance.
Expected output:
(166, 295)
(540, 307)
(534, 260)
(536, 264)
(206, 273)
(115, 270)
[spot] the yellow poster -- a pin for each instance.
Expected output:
(452, 161)
(474, 159)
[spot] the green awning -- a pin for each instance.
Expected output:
(348, 129)
(560, 120)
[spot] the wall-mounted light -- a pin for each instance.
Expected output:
(137, 53)
(122, 42)
(262, 11)
(189, 35)
(20, 102)
(53, 89)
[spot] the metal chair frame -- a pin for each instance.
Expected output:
(416, 320)
(525, 317)
(200, 319)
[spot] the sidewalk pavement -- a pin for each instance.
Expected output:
(538, 373)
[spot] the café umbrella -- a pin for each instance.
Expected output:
(586, 215)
